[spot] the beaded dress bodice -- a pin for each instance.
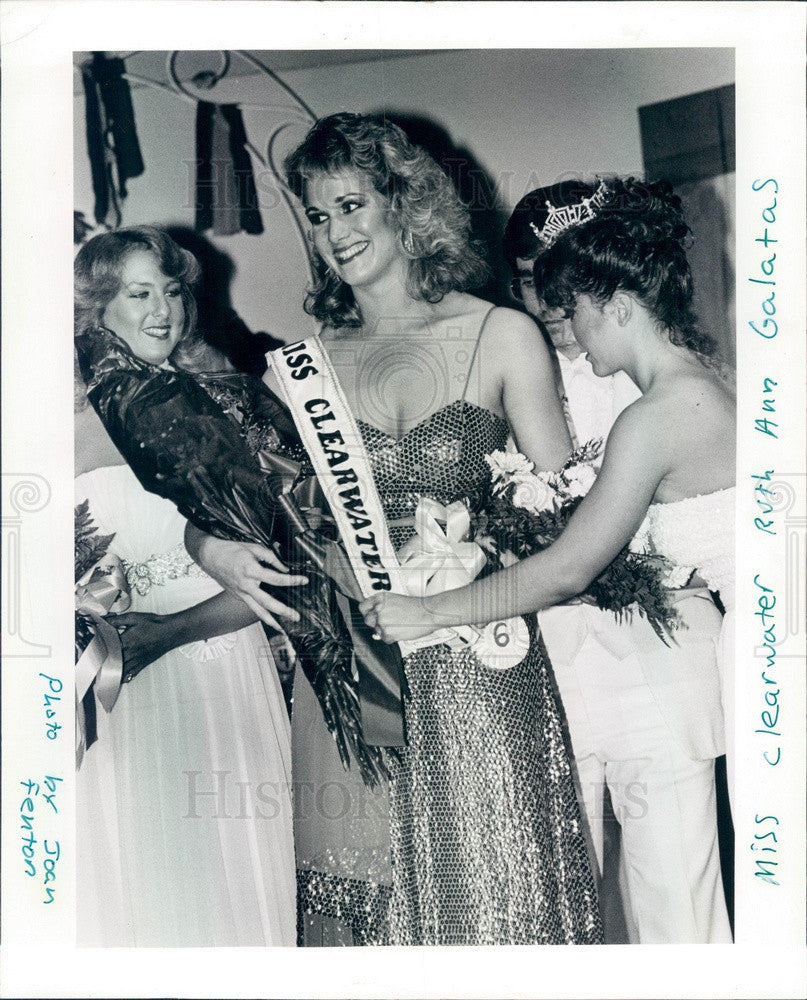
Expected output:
(441, 457)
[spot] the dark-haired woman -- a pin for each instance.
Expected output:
(485, 834)
(617, 265)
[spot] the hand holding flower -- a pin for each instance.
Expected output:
(530, 513)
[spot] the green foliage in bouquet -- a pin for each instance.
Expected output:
(632, 583)
(90, 547)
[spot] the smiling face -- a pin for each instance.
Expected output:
(147, 312)
(352, 228)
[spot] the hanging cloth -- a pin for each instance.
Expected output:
(226, 195)
(112, 143)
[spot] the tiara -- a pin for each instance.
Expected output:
(558, 220)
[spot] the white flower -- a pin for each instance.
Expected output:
(580, 479)
(508, 463)
(534, 494)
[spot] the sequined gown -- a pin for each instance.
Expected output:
(486, 838)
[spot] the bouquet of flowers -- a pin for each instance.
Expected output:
(225, 452)
(100, 585)
(257, 504)
(528, 511)
(90, 549)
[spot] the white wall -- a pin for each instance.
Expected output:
(526, 116)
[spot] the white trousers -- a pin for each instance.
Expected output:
(662, 795)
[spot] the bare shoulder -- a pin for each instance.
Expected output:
(508, 337)
(698, 397)
(511, 327)
(637, 444)
(637, 423)
(93, 447)
(511, 341)
(709, 391)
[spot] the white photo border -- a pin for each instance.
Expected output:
(39, 38)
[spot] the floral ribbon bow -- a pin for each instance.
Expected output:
(97, 591)
(437, 559)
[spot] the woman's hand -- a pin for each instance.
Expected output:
(144, 638)
(395, 618)
(240, 568)
(147, 637)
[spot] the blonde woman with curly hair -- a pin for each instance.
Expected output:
(484, 832)
(163, 861)
(483, 845)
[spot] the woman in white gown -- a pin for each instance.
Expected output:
(184, 811)
(618, 268)
(600, 663)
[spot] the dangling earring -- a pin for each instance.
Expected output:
(408, 243)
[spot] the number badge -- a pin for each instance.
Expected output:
(502, 645)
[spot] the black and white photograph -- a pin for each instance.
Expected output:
(435, 485)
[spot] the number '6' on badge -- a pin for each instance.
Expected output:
(502, 645)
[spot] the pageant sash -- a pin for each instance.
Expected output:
(435, 560)
(333, 442)
(335, 446)
(326, 426)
